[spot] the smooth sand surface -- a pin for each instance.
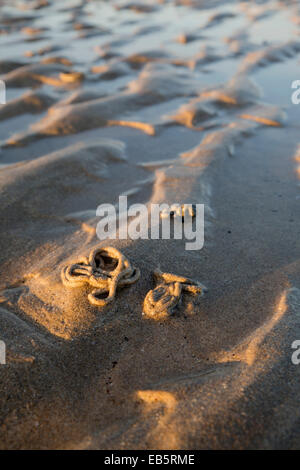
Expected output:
(179, 101)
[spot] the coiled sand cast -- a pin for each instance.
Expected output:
(104, 270)
(107, 268)
(162, 301)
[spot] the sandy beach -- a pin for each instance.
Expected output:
(162, 101)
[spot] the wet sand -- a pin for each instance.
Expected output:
(184, 101)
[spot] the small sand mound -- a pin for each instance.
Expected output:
(31, 75)
(137, 7)
(138, 61)
(194, 114)
(111, 71)
(164, 82)
(80, 96)
(7, 66)
(270, 54)
(215, 146)
(218, 18)
(265, 114)
(31, 102)
(239, 91)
